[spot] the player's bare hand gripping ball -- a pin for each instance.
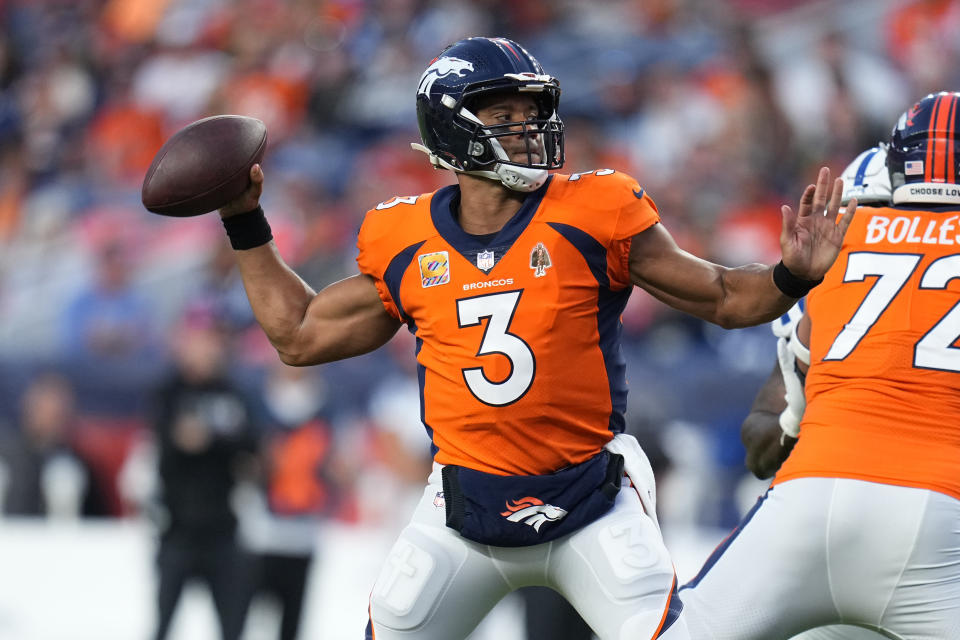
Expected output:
(250, 198)
(205, 166)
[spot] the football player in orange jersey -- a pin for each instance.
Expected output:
(771, 429)
(513, 281)
(773, 424)
(860, 526)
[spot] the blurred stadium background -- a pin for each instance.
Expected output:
(723, 110)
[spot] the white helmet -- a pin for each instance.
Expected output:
(867, 178)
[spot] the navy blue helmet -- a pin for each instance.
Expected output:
(923, 159)
(456, 139)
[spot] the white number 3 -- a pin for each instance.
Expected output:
(392, 202)
(498, 309)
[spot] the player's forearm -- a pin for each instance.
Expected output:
(750, 297)
(278, 296)
(761, 435)
(730, 297)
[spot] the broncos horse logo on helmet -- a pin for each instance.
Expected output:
(441, 68)
(923, 158)
(453, 136)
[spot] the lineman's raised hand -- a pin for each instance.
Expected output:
(810, 239)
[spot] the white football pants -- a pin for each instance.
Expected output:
(827, 551)
(436, 585)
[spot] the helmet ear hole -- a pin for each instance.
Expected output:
(481, 153)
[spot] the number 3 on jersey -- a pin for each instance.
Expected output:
(498, 310)
(935, 349)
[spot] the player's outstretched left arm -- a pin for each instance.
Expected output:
(744, 296)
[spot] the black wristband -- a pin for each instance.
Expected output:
(790, 284)
(248, 230)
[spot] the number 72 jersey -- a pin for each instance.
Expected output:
(883, 390)
(518, 332)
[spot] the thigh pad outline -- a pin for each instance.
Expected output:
(626, 551)
(413, 578)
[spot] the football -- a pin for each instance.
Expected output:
(203, 166)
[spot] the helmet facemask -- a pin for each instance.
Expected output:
(542, 138)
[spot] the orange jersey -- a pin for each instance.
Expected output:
(883, 390)
(518, 333)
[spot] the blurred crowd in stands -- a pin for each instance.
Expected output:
(722, 109)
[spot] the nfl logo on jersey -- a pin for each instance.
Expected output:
(485, 260)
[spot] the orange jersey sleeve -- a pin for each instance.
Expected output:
(388, 230)
(883, 390)
(517, 333)
(616, 208)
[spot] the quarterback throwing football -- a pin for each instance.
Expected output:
(513, 281)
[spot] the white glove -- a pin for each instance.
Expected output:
(796, 401)
(637, 467)
(783, 325)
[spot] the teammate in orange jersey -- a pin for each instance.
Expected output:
(770, 430)
(861, 523)
(513, 281)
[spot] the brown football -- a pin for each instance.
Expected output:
(203, 166)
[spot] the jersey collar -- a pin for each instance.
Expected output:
(442, 212)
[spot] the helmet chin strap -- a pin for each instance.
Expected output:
(514, 177)
(511, 176)
(523, 179)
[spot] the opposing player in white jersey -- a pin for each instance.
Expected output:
(860, 525)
